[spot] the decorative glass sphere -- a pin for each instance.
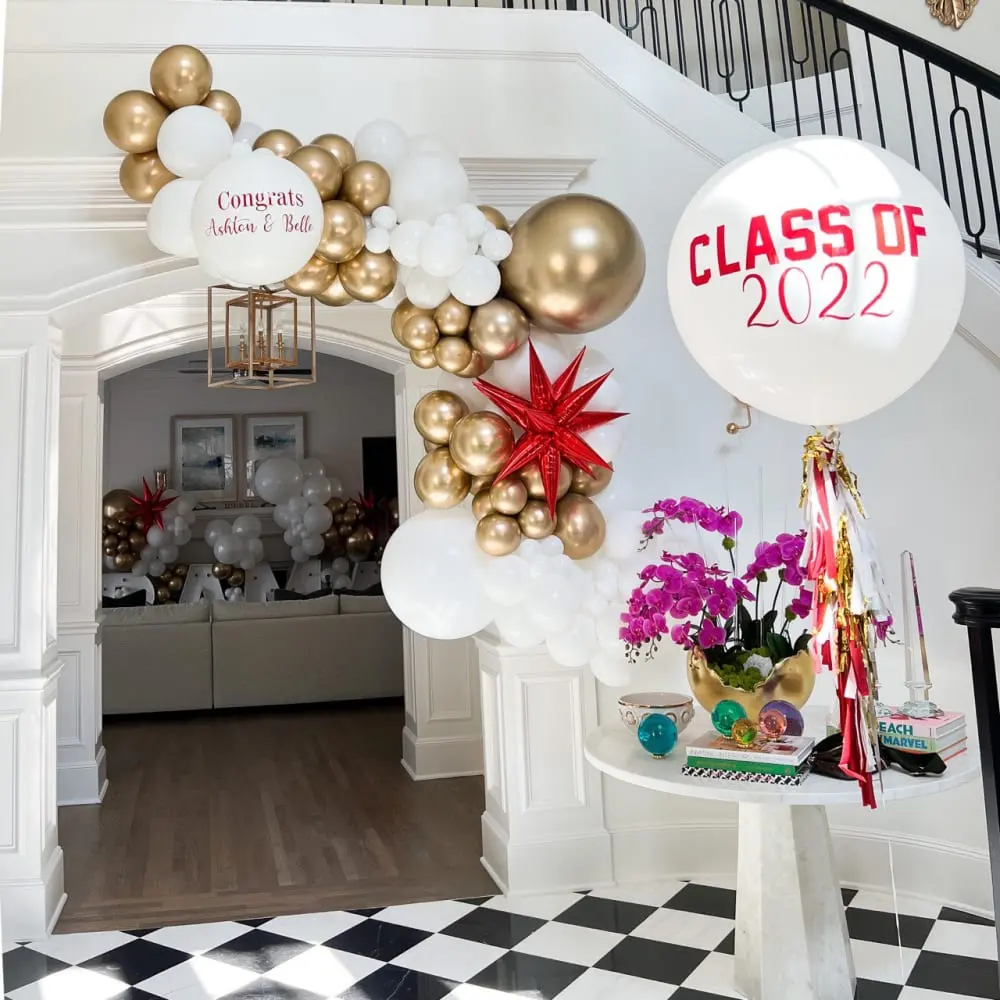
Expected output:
(744, 732)
(795, 724)
(658, 734)
(772, 723)
(725, 714)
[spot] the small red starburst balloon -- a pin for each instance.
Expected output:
(150, 506)
(553, 420)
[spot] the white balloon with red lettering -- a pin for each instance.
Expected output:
(817, 279)
(257, 219)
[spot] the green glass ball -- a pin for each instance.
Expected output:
(725, 714)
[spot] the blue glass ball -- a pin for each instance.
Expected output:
(796, 724)
(725, 714)
(658, 734)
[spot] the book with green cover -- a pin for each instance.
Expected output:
(747, 766)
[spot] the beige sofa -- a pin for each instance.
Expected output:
(232, 655)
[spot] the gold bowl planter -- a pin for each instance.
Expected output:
(791, 680)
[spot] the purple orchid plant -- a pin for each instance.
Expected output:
(717, 609)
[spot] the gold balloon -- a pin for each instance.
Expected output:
(221, 571)
(321, 167)
(345, 530)
(132, 121)
(577, 263)
(419, 333)
(366, 186)
(532, 476)
(116, 502)
(137, 538)
(334, 294)
(439, 482)
(110, 524)
(124, 546)
(480, 483)
(343, 235)
(508, 496)
(498, 329)
(110, 546)
(175, 583)
(339, 146)
(124, 560)
(590, 486)
(313, 278)
(369, 276)
(180, 76)
(424, 359)
(336, 505)
(535, 520)
(278, 140)
(162, 595)
(359, 543)
(453, 354)
(495, 216)
(181, 570)
(237, 578)
(498, 535)
(580, 525)
(476, 367)
(222, 102)
(436, 414)
(481, 505)
(481, 442)
(403, 312)
(141, 175)
(452, 317)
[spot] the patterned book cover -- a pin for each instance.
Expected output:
(935, 729)
(751, 777)
(743, 765)
(787, 750)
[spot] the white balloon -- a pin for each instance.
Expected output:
(624, 534)
(394, 297)
(594, 365)
(245, 136)
(109, 562)
(505, 578)
(513, 373)
(182, 506)
(256, 219)
(316, 490)
(431, 575)
(317, 519)
(607, 625)
(277, 480)
(340, 565)
(156, 536)
(377, 240)
(576, 645)
(384, 217)
(168, 224)
(382, 142)
(405, 240)
(193, 140)
(516, 627)
(312, 467)
(427, 184)
(247, 526)
(139, 568)
(341, 582)
(477, 282)
(183, 536)
(255, 547)
(290, 536)
(282, 516)
(425, 290)
(611, 667)
(472, 221)
(607, 439)
(552, 547)
(229, 549)
(168, 554)
(299, 554)
(496, 245)
(552, 600)
(297, 506)
(336, 486)
(148, 553)
(817, 279)
(157, 567)
(313, 545)
(443, 251)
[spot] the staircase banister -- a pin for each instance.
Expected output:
(976, 607)
(937, 55)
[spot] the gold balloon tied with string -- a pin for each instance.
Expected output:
(223, 103)
(180, 76)
(132, 121)
(278, 141)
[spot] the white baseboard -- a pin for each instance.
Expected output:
(429, 758)
(82, 783)
(31, 908)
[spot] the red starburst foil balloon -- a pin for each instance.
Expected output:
(150, 506)
(553, 420)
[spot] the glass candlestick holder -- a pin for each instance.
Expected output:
(918, 676)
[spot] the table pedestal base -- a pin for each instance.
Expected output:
(791, 933)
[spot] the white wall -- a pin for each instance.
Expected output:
(348, 402)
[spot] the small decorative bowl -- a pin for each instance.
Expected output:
(633, 708)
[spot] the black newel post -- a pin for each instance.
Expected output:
(978, 609)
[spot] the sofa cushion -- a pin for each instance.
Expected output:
(359, 604)
(137, 599)
(156, 614)
(230, 611)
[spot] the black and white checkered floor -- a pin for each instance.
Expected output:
(648, 942)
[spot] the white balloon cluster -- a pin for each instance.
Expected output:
(299, 491)
(163, 544)
(236, 543)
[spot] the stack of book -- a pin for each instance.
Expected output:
(944, 735)
(783, 761)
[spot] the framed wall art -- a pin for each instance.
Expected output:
(270, 435)
(204, 457)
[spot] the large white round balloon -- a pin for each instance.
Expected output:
(383, 142)
(256, 219)
(817, 278)
(427, 184)
(278, 480)
(193, 140)
(432, 575)
(168, 223)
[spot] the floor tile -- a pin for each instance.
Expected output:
(916, 993)
(74, 949)
(866, 989)
(597, 984)
(970, 977)
(467, 991)
(683, 993)
(313, 927)
(716, 881)
(727, 946)
(25, 965)
(196, 939)
(606, 914)
(876, 925)
(199, 979)
(867, 900)
(947, 913)
(883, 963)
(504, 930)
(714, 976)
(710, 900)
(135, 961)
(696, 930)
(847, 895)
(426, 916)
(258, 950)
(70, 984)
(399, 984)
(266, 989)
(644, 959)
(378, 939)
(449, 958)
(974, 940)
(323, 970)
(546, 907)
(528, 975)
(646, 893)
(569, 943)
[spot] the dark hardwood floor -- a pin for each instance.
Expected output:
(216, 817)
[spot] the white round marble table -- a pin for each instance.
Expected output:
(791, 933)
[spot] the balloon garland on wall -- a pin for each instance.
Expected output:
(509, 482)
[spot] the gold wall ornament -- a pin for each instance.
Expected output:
(952, 13)
(508, 496)
(321, 167)
(278, 140)
(590, 486)
(438, 480)
(495, 216)
(180, 76)
(419, 333)
(532, 476)
(498, 328)
(424, 359)
(340, 147)
(535, 520)
(481, 505)
(580, 526)
(452, 317)
(577, 263)
(335, 294)
(791, 680)
(141, 175)
(369, 277)
(314, 277)
(436, 414)
(366, 186)
(498, 535)
(482, 442)
(453, 354)
(132, 121)
(343, 235)
(223, 103)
